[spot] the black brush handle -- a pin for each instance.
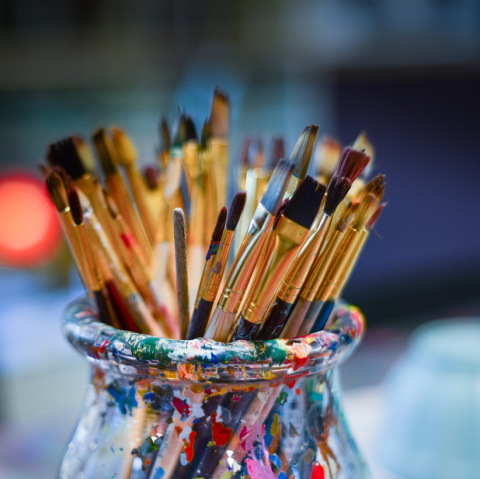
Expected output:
(276, 319)
(244, 329)
(102, 307)
(199, 321)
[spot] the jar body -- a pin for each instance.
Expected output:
(165, 409)
(148, 428)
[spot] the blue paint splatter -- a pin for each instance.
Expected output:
(159, 473)
(282, 475)
(124, 398)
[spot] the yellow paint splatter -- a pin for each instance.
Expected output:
(275, 423)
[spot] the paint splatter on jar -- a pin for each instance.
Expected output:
(167, 409)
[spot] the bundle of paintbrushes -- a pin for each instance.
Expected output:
(152, 248)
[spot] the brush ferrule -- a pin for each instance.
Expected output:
(297, 274)
(246, 260)
(288, 238)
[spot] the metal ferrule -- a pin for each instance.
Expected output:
(316, 274)
(297, 274)
(338, 263)
(245, 261)
(288, 238)
(220, 261)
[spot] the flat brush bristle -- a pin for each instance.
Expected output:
(105, 152)
(336, 192)
(219, 226)
(56, 190)
(305, 202)
(151, 177)
(235, 211)
(346, 218)
(75, 206)
(64, 154)
(302, 152)
(366, 209)
(375, 186)
(276, 186)
(352, 163)
(374, 218)
(126, 153)
(219, 117)
(84, 153)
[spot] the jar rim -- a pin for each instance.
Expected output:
(204, 359)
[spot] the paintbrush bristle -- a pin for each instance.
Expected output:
(352, 163)
(44, 170)
(84, 153)
(126, 153)
(366, 209)
(220, 114)
(75, 206)
(206, 135)
(346, 218)
(302, 152)
(374, 218)
(219, 225)
(336, 192)
(180, 131)
(164, 135)
(362, 143)
(375, 186)
(280, 212)
(277, 185)
(105, 152)
(56, 190)
(305, 202)
(277, 152)
(235, 211)
(64, 154)
(151, 177)
(191, 131)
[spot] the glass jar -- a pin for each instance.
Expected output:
(158, 408)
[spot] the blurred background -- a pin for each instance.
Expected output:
(407, 72)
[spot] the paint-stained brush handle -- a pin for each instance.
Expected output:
(199, 321)
(245, 330)
(276, 319)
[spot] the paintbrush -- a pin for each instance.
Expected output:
(127, 157)
(134, 302)
(108, 161)
(190, 153)
(246, 258)
(96, 287)
(301, 155)
(218, 145)
(140, 272)
(58, 195)
(154, 195)
(276, 153)
(292, 283)
(327, 307)
(292, 229)
(340, 259)
(350, 166)
(211, 253)
(362, 144)
(165, 144)
(180, 234)
(209, 291)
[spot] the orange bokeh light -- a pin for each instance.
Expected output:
(29, 227)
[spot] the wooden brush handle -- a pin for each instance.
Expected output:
(199, 321)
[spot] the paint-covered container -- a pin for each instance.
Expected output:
(158, 408)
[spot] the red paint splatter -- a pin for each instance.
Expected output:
(221, 434)
(188, 447)
(103, 346)
(290, 384)
(317, 471)
(299, 361)
(298, 391)
(147, 462)
(181, 406)
(129, 240)
(178, 430)
(235, 398)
